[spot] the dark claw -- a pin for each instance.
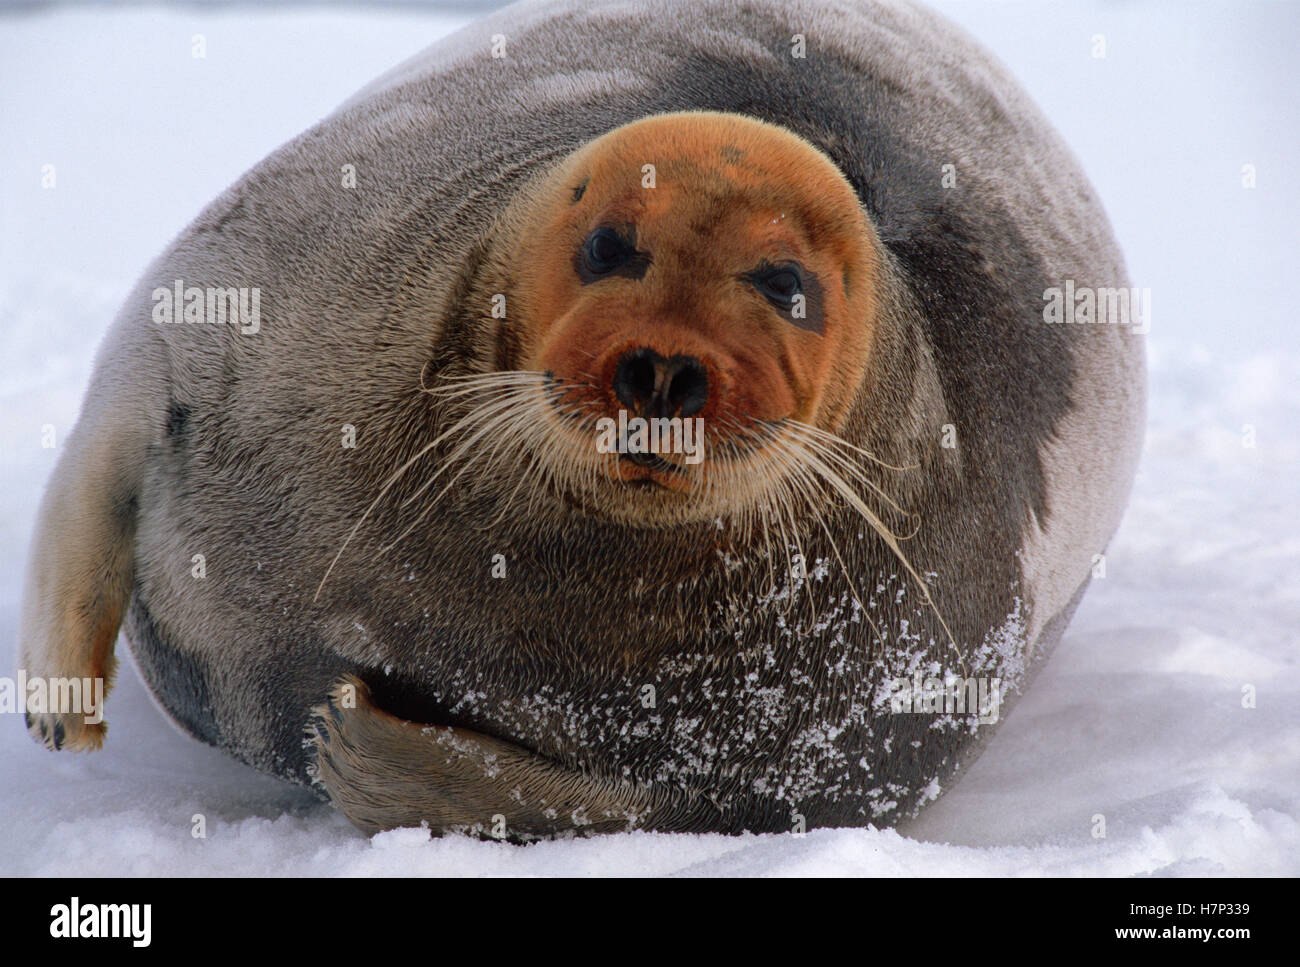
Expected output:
(59, 735)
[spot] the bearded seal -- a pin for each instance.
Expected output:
(389, 525)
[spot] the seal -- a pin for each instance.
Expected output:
(555, 441)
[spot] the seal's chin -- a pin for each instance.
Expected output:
(650, 492)
(650, 471)
(646, 482)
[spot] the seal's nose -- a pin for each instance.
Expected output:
(654, 386)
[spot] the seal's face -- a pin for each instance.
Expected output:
(708, 274)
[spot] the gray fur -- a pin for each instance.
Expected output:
(229, 444)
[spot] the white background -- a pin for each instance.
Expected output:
(1137, 717)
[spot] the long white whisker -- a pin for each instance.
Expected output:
(847, 492)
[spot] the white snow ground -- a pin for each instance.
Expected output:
(1137, 717)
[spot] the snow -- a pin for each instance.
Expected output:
(1138, 719)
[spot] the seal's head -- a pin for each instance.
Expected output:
(707, 271)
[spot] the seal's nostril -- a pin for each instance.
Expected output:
(688, 388)
(634, 379)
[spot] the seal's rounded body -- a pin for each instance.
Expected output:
(348, 497)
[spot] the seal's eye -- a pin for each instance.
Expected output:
(778, 284)
(604, 251)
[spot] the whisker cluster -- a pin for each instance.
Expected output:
(775, 482)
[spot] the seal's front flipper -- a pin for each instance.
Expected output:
(81, 568)
(383, 773)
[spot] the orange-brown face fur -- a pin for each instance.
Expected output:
(731, 197)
